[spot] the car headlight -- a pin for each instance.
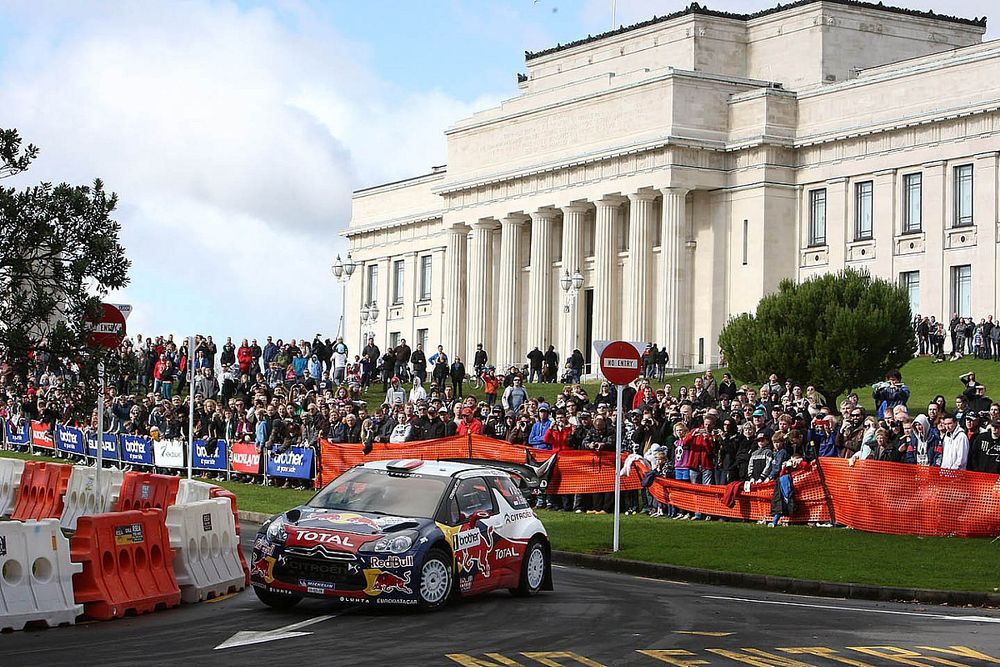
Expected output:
(276, 530)
(393, 544)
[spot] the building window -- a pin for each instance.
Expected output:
(863, 211)
(372, 284)
(398, 273)
(746, 240)
(425, 277)
(963, 195)
(422, 338)
(817, 217)
(625, 228)
(912, 208)
(961, 290)
(589, 233)
(910, 280)
(394, 339)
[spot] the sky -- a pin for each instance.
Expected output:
(235, 132)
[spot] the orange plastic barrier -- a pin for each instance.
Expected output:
(127, 564)
(810, 498)
(909, 499)
(219, 492)
(143, 490)
(40, 494)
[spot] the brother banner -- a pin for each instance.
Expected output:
(246, 458)
(169, 453)
(295, 462)
(110, 448)
(69, 439)
(209, 458)
(18, 437)
(137, 450)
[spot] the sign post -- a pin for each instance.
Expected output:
(108, 333)
(620, 364)
(189, 370)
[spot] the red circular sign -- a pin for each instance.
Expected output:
(109, 331)
(620, 362)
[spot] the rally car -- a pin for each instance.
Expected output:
(404, 532)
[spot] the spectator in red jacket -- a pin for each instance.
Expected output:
(469, 423)
(244, 357)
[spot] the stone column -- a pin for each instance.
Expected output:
(478, 312)
(607, 309)
(540, 280)
(573, 217)
(507, 321)
(452, 327)
(671, 316)
(636, 288)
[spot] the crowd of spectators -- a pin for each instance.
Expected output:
(714, 431)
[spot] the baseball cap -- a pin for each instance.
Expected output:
(759, 412)
(466, 412)
(443, 409)
(763, 436)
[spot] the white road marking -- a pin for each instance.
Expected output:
(248, 637)
(940, 617)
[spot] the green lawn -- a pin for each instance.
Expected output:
(827, 554)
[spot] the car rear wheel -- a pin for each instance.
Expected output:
(436, 580)
(277, 600)
(534, 566)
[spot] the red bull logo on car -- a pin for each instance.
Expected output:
(348, 518)
(380, 581)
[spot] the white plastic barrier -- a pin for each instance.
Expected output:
(10, 480)
(203, 537)
(192, 490)
(36, 575)
(81, 497)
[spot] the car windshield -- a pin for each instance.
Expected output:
(381, 492)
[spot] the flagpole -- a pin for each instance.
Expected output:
(190, 371)
(614, 12)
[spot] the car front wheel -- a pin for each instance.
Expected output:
(534, 566)
(436, 580)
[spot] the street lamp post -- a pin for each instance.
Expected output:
(369, 315)
(571, 285)
(342, 272)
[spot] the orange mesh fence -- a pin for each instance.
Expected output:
(754, 505)
(575, 471)
(873, 496)
(907, 499)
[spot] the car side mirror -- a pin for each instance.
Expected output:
(479, 515)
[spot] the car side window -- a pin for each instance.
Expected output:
(471, 496)
(509, 492)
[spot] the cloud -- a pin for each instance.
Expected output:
(233, 137)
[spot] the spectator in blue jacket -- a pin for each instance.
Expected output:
(924, 445)
(823, 435)
(889, 394)
(536, 438)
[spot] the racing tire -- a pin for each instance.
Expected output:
(277, 600)
(437, 580)
(534, 567)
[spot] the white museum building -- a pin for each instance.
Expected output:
(650, 182)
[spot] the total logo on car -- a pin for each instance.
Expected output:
(404, 532)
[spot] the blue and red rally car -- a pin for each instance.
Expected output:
(404, 532)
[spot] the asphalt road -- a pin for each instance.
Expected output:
(592, 618)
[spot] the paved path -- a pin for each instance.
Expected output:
(592, 618)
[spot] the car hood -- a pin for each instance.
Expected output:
(358, 523)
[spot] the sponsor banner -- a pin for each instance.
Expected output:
(110, 448)
(40, 436)
(295, 462)
(17, 436)
(137, 450)
(209, 458)
(245, 458)
(69, 439)
(169, 453)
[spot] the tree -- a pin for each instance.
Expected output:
(835, 331)
(59, 255)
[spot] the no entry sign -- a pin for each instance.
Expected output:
(109, 330)
(620, 362)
